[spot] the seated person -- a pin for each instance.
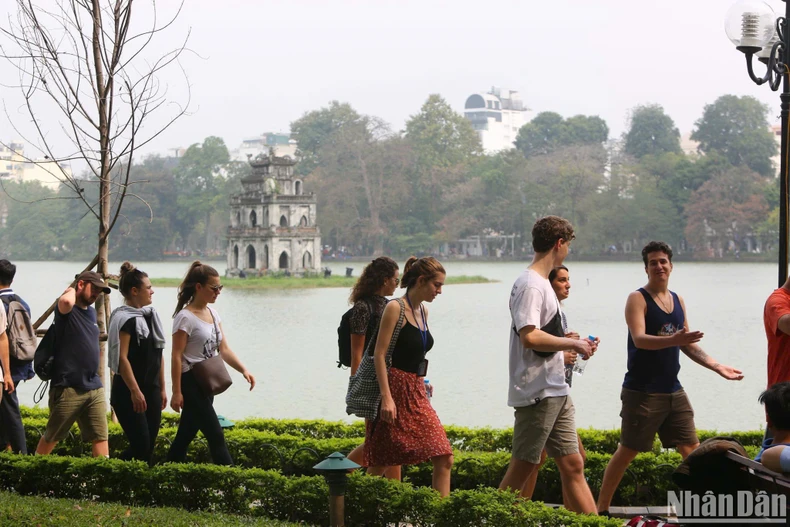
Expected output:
(775, 455)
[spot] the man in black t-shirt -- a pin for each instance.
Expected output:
(76, 392)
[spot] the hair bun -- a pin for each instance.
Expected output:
(127, 267)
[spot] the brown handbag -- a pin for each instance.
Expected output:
(211, 374)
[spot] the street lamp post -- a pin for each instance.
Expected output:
(754, 29)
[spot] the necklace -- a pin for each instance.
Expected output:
(666, 309)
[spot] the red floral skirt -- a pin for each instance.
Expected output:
(416, 436)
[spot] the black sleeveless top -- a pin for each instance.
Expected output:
(408, 352)
(656, 371)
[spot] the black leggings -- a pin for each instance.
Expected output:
(198, 414)
(141, 429)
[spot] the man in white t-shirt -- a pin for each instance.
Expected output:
(544, 412)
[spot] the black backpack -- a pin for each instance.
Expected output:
(44, 359)
(344, 338)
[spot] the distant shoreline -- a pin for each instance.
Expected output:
(295, 282)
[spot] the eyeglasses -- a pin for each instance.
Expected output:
(216, 288)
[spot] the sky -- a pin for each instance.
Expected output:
(255, 67)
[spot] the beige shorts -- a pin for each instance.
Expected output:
(644, 414)
(87, 408)
(549, 424)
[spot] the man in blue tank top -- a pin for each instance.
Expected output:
(653, 399)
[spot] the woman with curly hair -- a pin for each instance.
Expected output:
(379, 280)
(407, 430)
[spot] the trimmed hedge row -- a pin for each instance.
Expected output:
(256, 492)
(462, 438)
(646, 482)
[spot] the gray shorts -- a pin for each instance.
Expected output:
(549, 424)
(87, 408)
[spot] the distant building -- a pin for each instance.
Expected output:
(281, 144)
(16, 166)
(273, 221)
(497, 116)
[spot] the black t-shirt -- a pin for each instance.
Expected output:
(145, 359)
(76, 349)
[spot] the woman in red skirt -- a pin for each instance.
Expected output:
(407, 430)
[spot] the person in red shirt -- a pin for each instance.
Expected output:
(776, 317)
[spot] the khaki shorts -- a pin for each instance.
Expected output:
(87, 408)
(644, 414)
(549, 424)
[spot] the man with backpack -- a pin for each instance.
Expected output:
(76, 392)
(17, 368)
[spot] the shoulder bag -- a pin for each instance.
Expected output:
(363, 397)
(211, 374)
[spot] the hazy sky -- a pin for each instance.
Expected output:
(259, 65)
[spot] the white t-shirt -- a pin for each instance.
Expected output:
(203, 337)
(532, 377)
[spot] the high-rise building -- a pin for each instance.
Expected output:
(15, 165)
(497, 116)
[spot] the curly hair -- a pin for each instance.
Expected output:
(426, 267)
(373, 277)
(656, 247)
(548, 230)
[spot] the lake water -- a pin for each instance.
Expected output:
(288, 339)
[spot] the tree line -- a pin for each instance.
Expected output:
(418, 190)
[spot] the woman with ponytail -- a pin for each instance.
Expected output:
(197, 336)
(379, 280)
(135, 342)
(407, 430)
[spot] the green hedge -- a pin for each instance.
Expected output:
(462, 438)
(261, 493)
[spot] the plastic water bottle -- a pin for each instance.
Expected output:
(578, 367)
(427, 384)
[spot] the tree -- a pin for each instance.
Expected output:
(651, 132)
(198, 179)
(737, 127)
(84, 70)
(360, 181)
(440, 136)
(441, 139)
(549, 131)
(314, 129)
(726, 209)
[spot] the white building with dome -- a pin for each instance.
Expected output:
(497, 116)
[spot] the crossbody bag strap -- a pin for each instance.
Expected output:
(216, 329)
(396, 331)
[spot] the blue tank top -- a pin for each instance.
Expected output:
(656, 371)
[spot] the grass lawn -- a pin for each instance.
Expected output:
(293, 282)
(35, 510)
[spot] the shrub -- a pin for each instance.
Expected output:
(256, 492)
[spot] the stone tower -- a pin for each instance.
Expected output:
(273, 221)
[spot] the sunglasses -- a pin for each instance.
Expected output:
(216, 288)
